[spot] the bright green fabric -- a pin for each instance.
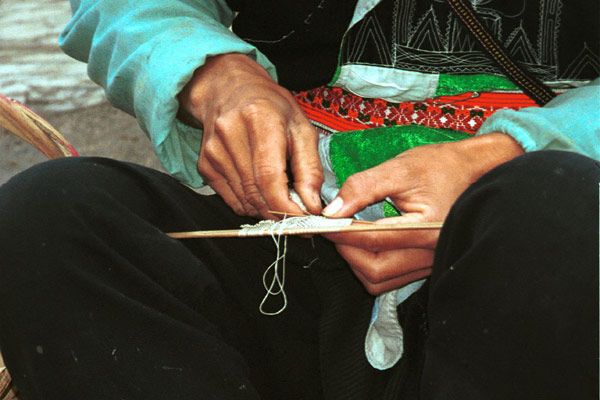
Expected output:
(449, 85)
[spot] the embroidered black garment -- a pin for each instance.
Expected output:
(552, 39)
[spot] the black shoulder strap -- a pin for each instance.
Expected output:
(531, 86)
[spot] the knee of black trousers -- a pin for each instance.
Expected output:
(549, 193)
(60, 183)
(513, 296)
(38, 195)
(76, 306)
(51, 205)
(46, 194)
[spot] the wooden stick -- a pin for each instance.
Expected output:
(304, 231)
(287, 214)
(32, 128)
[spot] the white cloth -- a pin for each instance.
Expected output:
(384, 343)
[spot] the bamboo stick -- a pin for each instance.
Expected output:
(228, 233)
(33, 129)
(287, 214)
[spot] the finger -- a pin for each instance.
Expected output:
(388, 270)
(222, 188)
(378, 288)
(389, 239)
(231, 192)
(217, 168)
(268, 143)
(364, 188)
(232, 133)
(306, 164)
(378, 267)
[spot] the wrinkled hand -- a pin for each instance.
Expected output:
(424, 182)
(252, 126)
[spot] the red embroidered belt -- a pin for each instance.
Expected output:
(336, 110)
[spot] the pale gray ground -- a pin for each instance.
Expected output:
(94, 131)
(34, 71)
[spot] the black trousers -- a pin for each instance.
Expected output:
(97, 303)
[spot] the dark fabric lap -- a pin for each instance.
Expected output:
(96, 302)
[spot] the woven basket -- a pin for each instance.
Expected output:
(8, 391)
(32, 128)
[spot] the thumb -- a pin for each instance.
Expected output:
(360, 190)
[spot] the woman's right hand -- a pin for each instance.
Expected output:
(252, 127)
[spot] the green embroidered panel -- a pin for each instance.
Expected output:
(449, 85)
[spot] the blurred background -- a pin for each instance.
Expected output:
(34, 71)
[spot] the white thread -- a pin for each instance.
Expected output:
(276, 229)
(310, 263)
(291, 224)
(276, 280)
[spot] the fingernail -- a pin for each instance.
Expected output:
(333, 207)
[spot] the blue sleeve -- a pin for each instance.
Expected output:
(143, 53)
(570, 122)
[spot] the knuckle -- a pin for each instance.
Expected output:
(255, 200)
(253, 195)
(354, 180)
(206, 160)
(247, 208)
(224, 123)
(374, 274)
(361, 186)
(255, 109)
(249, 187)
(210, 146)
(265, 173)
(375, 243)
(373, 290)
(313, 175)
(206, 167)
(239, 211)
(212, 161)
(205, 170)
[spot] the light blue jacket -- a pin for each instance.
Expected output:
(144, 52)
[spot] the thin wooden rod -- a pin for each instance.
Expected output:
(304, 231)
(287, 214)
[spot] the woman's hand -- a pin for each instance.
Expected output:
(252, 127)
(424, 182)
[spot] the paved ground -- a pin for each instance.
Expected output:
(35, 71)
(95, 131)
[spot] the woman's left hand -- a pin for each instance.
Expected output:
(424, 182)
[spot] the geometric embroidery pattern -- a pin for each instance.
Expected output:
(555, 40)
(336, 110)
